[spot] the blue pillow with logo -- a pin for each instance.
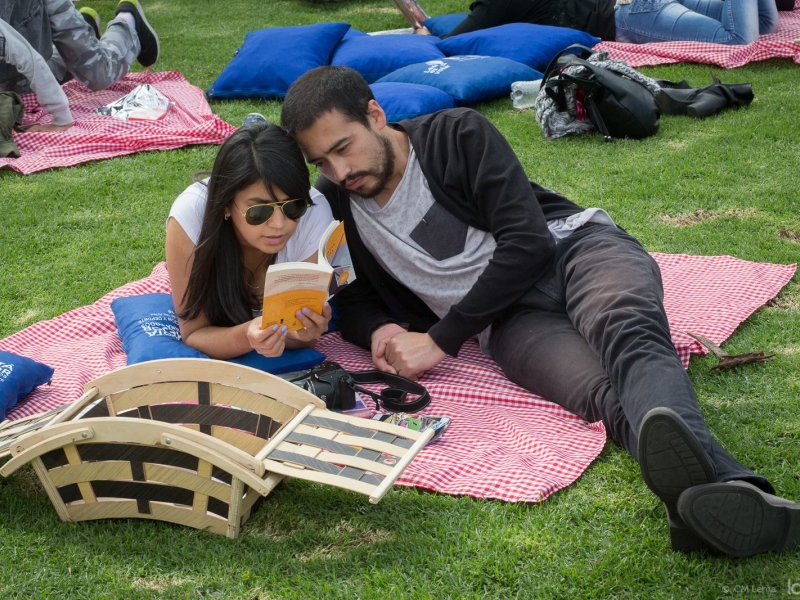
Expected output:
(408, 100)
(532, 45)
(467, 79)
(18, 376)
(377, 55)
(148, 327)
(271, 60)
(444, 24)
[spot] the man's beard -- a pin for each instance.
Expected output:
(382, 171)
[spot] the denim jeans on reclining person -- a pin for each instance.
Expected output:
(716, 21)
(593, 337)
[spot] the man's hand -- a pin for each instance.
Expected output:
(411, 354)
(50, 127)
(379, 338)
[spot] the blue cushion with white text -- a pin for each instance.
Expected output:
(18, 376)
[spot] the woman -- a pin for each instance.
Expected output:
(256, 209)
(729, 22)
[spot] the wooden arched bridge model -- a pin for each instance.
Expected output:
(197, 442)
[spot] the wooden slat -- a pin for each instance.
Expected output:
(114, 469)
(326, 478)
(339, 459)
(128, 509)
(243, 441)
(247, 400)
(401, 465)
(198, 449)
(395, 430)
(87, 493)
(235, 508)
(44, 440)
(201, 485)
(371, 444)
(11, 430)
(73, 409)
(50, 488)
(140, 431)
(201, 369)
(287, 428)
(179, 391)
(204, 470)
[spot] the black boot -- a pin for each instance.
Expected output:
(703, 102)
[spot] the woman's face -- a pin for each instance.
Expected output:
(269, 237)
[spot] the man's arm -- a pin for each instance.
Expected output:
(32, 66)
(483, 14)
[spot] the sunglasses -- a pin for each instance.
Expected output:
(261, 213)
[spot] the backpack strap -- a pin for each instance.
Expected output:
(392, 398)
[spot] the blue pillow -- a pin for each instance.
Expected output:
(408, 100)
(468, 79)
(148, 327)
(444, 24)
(18, 376)
(270, 60)
(351, 33)
(377, 55)
(532, 45)
(291, 360)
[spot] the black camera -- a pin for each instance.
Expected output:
(333, 385)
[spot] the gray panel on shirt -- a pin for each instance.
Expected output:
(421, 244)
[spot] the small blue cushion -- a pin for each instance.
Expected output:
(444, 24)
(408, 100)
(377, 55)
(148, 327)
(18, 376)
(468, 79)
(532, 45)
(270, 60)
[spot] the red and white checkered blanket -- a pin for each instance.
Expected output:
(96, 137)
(503, 442)
(775, 45)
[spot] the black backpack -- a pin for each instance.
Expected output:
(617, 105)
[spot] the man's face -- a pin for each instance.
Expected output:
(358, 158)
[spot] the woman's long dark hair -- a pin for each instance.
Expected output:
(218, 282)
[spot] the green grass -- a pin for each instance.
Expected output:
(71, 235)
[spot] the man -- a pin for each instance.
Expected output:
(44, 43)
(448, 235)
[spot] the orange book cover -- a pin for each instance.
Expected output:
(291, 286)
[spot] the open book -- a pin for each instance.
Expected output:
(412, 11)
(291, 286)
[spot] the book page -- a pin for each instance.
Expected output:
(291, 286)
(334, 252)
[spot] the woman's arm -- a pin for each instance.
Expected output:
(218, 342)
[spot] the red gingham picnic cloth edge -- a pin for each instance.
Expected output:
(504, 442)
(780, 44)
(95, 137)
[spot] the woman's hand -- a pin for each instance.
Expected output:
(267, 342)
(314, 324)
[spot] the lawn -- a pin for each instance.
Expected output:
(725, 185)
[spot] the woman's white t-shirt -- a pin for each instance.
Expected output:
(190, 207)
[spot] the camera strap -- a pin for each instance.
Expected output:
(394, 397)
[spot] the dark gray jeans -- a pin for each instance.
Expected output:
(593, 337)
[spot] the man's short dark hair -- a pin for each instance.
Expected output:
(323, 90)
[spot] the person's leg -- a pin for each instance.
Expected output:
(717, 10)
(97, 64)
(645, 21)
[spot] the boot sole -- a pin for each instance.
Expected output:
(740, 520)
(671, 461)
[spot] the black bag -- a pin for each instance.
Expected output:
(337, 388)
(617, 105)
